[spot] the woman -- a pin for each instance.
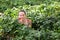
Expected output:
(22, 18)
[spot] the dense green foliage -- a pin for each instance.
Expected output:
(45, 16)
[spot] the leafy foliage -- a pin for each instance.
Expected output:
(45, 20)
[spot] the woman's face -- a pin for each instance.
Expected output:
(22, 15)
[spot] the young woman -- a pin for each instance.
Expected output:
(22, 18)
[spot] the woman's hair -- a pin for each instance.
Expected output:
(22, 11)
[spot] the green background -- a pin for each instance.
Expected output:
(45, 16)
